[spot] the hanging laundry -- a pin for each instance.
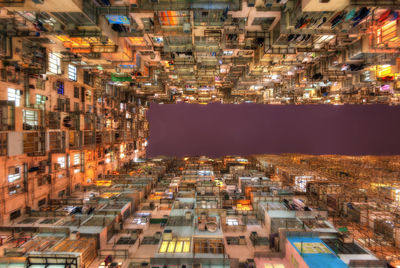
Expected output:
(362, 14)
(394, 15)
(384, 16)
(350, 14)
(323, 20)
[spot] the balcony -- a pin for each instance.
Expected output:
(57, 142)
(34, 143)
(75, 140)
(7, 113)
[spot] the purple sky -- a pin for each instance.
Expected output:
(228, 129)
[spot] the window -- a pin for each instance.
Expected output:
(54, 63)
(72, 73)
(76, 92)
(61, 193)
(61, 161)
(7, 115)
(15, 214)
(228, 53)
(208, 246)
(232, 221)
(87, 78)
(14, 174)
(140, 220)
(43, 180)
(13, 189)
(56, 141)
(88, 95)
(34, 143)
(30, 119)
(77, 159)
(15, 96)
(59, 86)
(3, 143)
(42, 202)
(176, 245)
(40, 99)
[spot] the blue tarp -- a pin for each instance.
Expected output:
(316, 260)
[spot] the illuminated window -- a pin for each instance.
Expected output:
(30, 119)
(72, 73)
(40, 99)
(301, 183)
(76, 159)
(180, 245)
(61, 161)
(14, 174)
(54, 63)
(13, 189)
(232, 221)
(140, 220)
(15, 96)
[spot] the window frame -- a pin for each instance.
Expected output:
(41, 99)
(77, 159)
(15, 96)
(54, 63)
(61, 163)
(30, 116)
(72, 72)
(15, 176)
